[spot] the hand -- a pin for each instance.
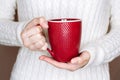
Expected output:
(74, 64)
(33, 37)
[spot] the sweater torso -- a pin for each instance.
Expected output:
(95, 16)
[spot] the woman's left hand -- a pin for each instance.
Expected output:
(74, 64)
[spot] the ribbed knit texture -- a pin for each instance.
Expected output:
(96, 16)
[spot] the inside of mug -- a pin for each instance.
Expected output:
(64, 20)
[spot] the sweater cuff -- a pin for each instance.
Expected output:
(20, 29)
(96, 55)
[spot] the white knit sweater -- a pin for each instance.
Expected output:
(96, 15)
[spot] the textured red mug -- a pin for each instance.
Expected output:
(64, 37)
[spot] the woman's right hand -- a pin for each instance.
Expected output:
(33, 36)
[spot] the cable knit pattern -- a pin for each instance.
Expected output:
(96, 15)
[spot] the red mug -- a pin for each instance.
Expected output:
(64, 37)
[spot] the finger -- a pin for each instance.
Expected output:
(54, 62)
(32, 47)
(82, 60)
(44, 47)
(76, 60)
(67, 66)
(26, 42)
(31, 31)
(85, 55)
(43, 23)
(39, 45)
(34, 22)
(26, 36)
(36, 38)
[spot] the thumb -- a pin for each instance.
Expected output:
(43, 23)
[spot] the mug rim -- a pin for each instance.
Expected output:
(59, 20)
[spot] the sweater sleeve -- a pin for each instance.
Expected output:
(106, 48)
(9, 29)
